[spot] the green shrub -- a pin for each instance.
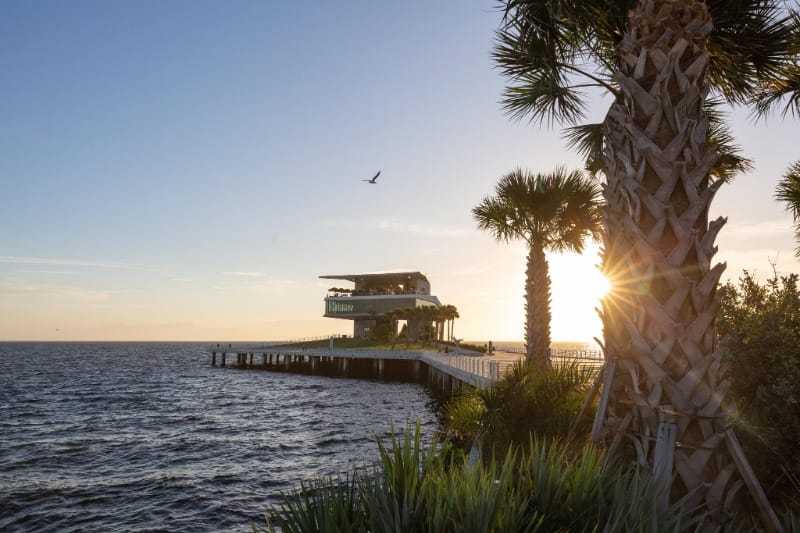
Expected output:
(527, 400)
(545, 489)
(759, 328)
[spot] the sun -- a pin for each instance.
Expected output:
(576, 290)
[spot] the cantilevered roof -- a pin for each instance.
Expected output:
(398, 277)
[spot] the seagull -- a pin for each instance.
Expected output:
(375, 177)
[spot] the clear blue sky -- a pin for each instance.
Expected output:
(186, 170)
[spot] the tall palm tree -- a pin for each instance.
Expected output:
(393, 316)
(664, 152)
(788, 191)
(440, 316)
(451, 313)
(550, 212)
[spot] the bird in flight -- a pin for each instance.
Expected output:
(374, 178)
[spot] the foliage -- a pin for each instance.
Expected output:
(527, 400)
(555, 55)
(554, 212)
(338, 342)
(464, 345)
(788, 192)
(381, 332)
(759, 327)
(547, 489)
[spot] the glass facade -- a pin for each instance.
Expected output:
(370, 306)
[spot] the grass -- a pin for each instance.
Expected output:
(350, 343)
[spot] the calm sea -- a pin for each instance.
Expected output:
(148, 436)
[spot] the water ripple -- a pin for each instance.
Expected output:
(147, 436)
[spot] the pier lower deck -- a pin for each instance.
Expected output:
(444, 372)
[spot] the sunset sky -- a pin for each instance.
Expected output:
(185, 170)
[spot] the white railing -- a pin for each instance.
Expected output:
(593, 355)
(476, 366)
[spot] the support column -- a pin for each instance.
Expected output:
(314, 363)
(223, 358)
(251, 360)
(213, 358)
(286, 361)
(380, 368)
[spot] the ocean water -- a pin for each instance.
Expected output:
(149, 436)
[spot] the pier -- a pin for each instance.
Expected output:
(444, 372)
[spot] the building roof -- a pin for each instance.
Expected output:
(397, 277)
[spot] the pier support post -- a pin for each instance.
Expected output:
(213, 358)
(287, 361)
(345, 365)
(265, 359)
(223, 358)
(417, 366)
(314, 363)
(251, 360)
(380, 368)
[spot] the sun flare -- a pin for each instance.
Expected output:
(576, 291)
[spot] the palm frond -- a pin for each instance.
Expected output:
(545, 50)
(587, 140)
(730, 162)
(545, 96)
(753, 41)
(786, 89)
(788, 191)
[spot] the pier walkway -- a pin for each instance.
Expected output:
(444, 371)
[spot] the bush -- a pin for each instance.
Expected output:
(527, 400)
(546, 489)
(759, 328)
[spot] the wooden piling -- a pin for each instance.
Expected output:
(223, 358)
(213, 358)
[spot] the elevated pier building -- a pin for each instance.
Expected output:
(374, 295)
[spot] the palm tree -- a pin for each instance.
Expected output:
(439, 316)
(450, 313)
(427, 316)
(393, 315)
(550, 212)
(664, 152)
(788, 191)
(414, 317)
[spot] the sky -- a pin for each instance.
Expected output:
(186, 170)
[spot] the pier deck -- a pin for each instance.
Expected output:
(444, 371)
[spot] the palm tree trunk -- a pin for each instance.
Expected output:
(658, 318)
(537, 307)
